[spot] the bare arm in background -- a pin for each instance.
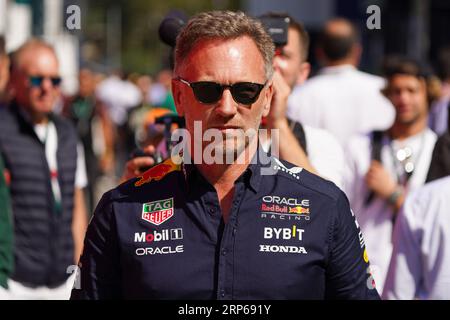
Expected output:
(79, 223)
(290, 149)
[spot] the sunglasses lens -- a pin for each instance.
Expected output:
(246, 92)
(36, 81)
(56, 81)
(210, 92)
(207, 92)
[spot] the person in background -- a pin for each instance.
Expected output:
(6, 231)
(420, 263)
(439, 110)
(439, 122)
(119, 96)
(440, 160)
(384, 166)
(143, 116)
(137, 115)
(341, 99)
(6, 228)
(160, 94)
(46, 172)
(313, 149)
(95, 130)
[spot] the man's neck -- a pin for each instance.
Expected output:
(343, 62)
(223, 176)
(33, 117)
(400, 131)
(42, 120)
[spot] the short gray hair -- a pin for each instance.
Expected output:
(224, 25)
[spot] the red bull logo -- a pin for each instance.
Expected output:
(157, 172)
(274, 208)
(299, 210)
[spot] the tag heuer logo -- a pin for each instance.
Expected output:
(157, 212)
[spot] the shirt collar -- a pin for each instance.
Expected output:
(337, 69)
(251, 177)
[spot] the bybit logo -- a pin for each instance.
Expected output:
(283, 233)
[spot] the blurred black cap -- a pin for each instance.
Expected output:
(171, 26)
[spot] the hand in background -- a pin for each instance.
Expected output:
(137, 165)
(379, 180)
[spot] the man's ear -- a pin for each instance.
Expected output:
(268, 99)
(176, 92)
(303, 75)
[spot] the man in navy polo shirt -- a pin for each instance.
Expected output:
(254, 227)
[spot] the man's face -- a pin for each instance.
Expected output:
(289, 62)
(38, 99)
(87, 83)
(225, 62)
(408, 95)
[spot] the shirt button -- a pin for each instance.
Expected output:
(224, 252)
(234, 231)
(211, 210)
(222, 293)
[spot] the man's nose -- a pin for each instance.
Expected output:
(226, 106)
(47, 84)
(404, 96)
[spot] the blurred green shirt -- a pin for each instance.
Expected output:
(6, 230)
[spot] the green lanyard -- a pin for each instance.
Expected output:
(53, 178)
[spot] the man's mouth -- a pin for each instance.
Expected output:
(226, 128)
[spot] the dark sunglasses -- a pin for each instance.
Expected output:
(209, 92)
(36, 81)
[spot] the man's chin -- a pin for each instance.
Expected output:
(231, 153)
(43, 109)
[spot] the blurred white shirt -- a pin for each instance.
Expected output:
(420, 265)
(343, 101)
(376, 217)
(118, 96)
(324, 153)
(48, 135)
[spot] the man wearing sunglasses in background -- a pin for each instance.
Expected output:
(6, 230)
(240, 229)
(46, 173)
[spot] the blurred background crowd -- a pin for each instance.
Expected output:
(116, 81)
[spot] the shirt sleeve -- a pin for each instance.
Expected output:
(348, 269)
(99, 266)
(405, 267)
(303, 108)
(350, 175)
